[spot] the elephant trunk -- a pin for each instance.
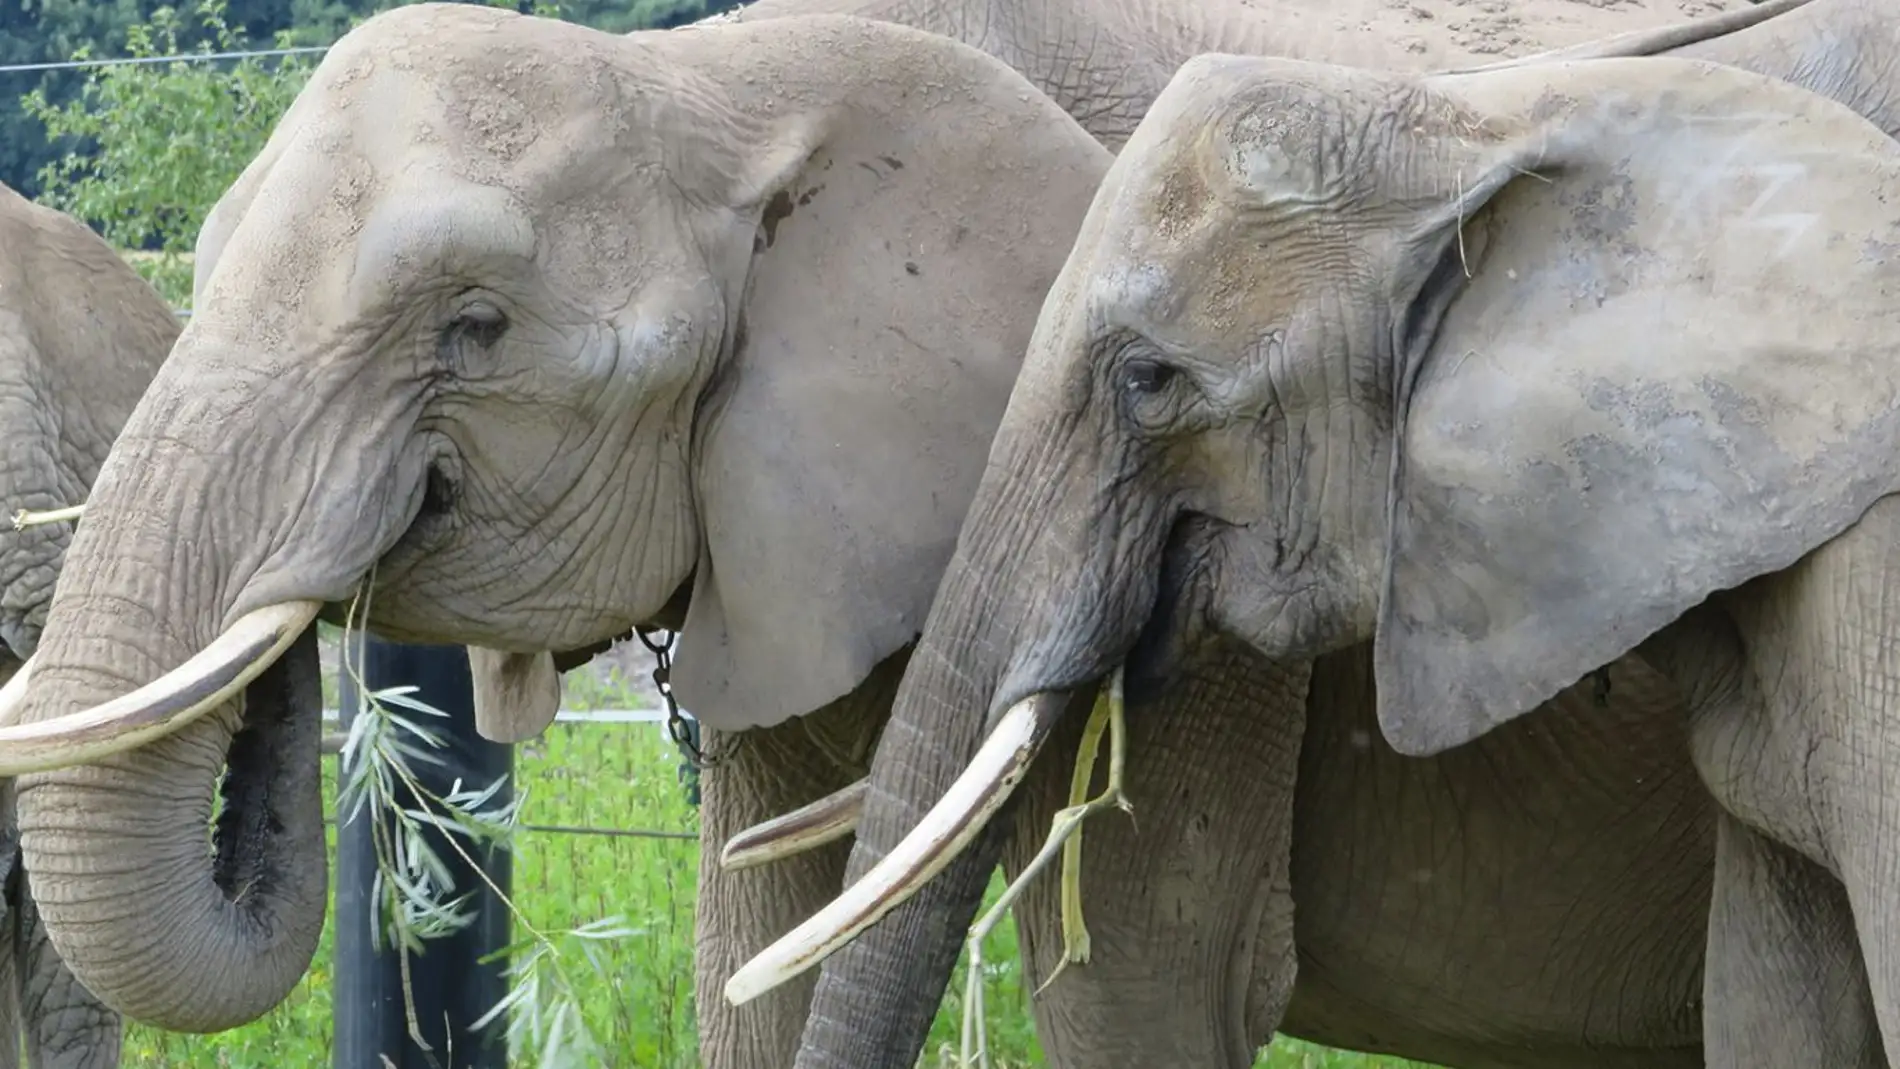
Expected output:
(157, 923)
(1036, 607)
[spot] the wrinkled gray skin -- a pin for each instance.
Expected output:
(80, 335)
(613, 459)
(1203, 439)
(43, 1009)
(1104, 61)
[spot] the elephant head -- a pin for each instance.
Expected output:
(520, 332)
(1501, 372)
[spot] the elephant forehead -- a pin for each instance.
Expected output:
(1133, 292)
(1265, 130)
(494, 97)
(1167, 240)
(1193, 277)
(437, 226)
(1155, 228)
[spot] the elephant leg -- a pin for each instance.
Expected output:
(65, 1026)
(1796, 732)
(1187, 904)
(1784, 984)
(756, 775)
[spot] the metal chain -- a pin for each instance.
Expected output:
(682, 731)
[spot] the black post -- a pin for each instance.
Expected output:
(450, 986)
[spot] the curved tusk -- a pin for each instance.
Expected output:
(806, 828)
(936, 841)
(13, 695)
(210, 678)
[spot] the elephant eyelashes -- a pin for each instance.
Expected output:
(480, 324)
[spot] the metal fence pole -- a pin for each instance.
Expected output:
(451, 987)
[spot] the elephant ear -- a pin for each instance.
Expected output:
(1649, 352)
(908, 224)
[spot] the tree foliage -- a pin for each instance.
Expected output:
(159, 144)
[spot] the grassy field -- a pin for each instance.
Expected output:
(622, 776)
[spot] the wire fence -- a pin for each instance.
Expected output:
(184, 57)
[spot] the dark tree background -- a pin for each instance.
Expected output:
(42, 31)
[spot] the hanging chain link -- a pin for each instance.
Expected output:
(682, 731)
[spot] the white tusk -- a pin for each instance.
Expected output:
(806, 828)
(936, 841)
(209, 679)
(24, 519)
(14, 692)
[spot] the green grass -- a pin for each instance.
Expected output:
(623, 776)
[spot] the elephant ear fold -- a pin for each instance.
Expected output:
(1646, 353)
(907, 227)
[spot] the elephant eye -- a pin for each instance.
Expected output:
(478, 323)
(1141, 377)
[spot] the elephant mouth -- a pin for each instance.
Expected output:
(435, 519)
(1182, 617)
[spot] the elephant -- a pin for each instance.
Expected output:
(578, 284)
(518, 534)
(1483, 381)
(80, 335)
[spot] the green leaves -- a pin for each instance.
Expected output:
(154, 145)
(412, 889)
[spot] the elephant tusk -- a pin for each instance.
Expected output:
(937, 839)
(1065, 836)
(14, 693)
(159, 708)
(24, 519)
(806, 828)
